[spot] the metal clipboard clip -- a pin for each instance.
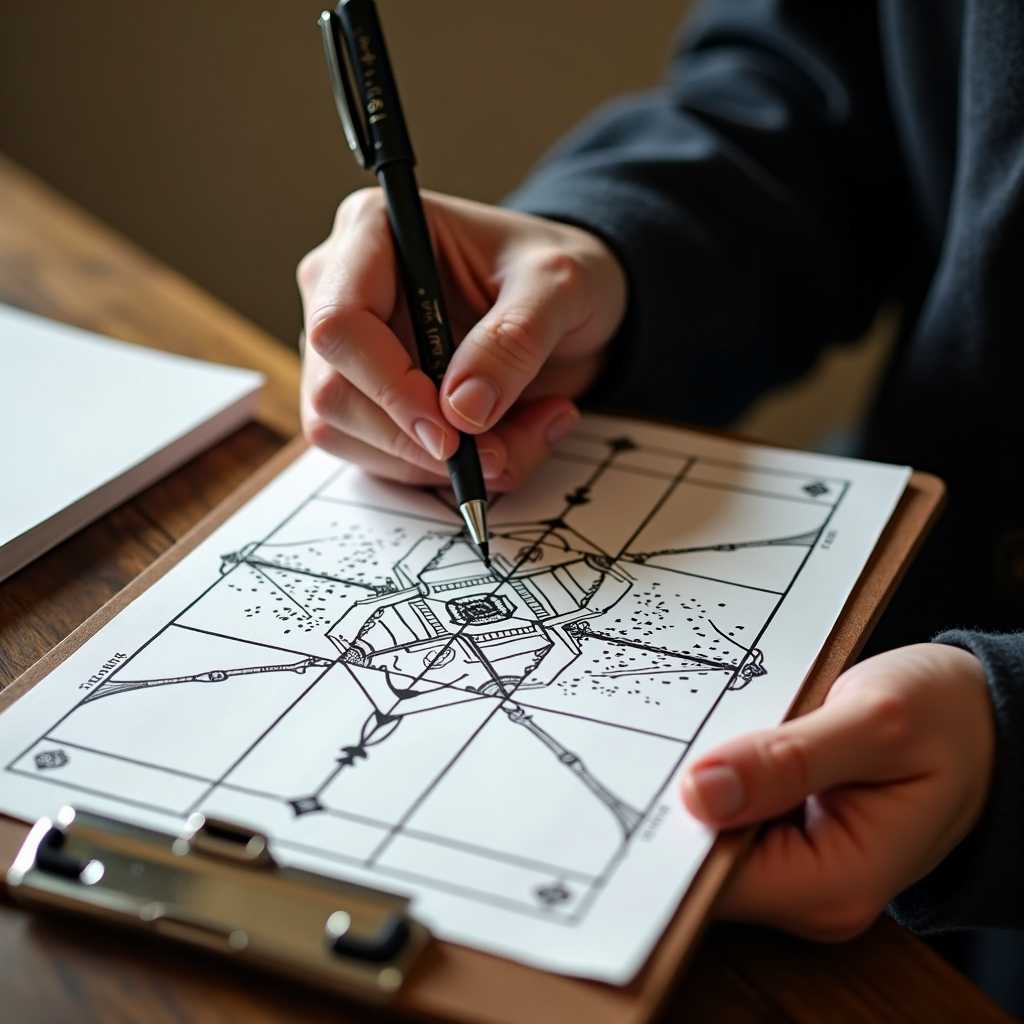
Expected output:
(217, 886)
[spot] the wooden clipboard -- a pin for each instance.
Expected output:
(460, 984)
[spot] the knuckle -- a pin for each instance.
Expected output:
(402, 446)
(561, 268)
(364, 202)
(308, 270)
(327, 396)
(387, 394)
(789, 758)
(326, 330)
(318, 432)
(394, 394)
(514, 342)
(890, 717)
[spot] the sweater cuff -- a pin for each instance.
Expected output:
(980, 883)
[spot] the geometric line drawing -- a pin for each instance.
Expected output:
(801, 540)
(629, 818)
(114, 686)
(432, 628)
(417, 642)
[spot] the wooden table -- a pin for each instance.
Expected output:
(56, 260)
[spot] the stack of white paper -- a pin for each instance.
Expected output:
(86, 422)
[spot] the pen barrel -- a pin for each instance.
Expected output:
(422, 285)
(378, 136)
(465, 473)
(376, 89)
(420, 280)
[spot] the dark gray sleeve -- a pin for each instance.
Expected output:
(757, 203)
(981, 883)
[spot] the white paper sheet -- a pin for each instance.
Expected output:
(335, 667)
(87, 421)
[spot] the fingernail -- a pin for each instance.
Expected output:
(560, 426)
(474, 400)
(490, 463)
(431, 436)
(719, 789)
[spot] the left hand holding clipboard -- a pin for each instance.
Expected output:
(889, 775)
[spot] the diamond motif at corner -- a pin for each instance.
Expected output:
(51, 759)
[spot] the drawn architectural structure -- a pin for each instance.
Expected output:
(590, 648)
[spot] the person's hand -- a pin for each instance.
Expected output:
(890, 774)
(532, 304)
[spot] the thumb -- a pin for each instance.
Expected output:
(541, 300)
(857, 739)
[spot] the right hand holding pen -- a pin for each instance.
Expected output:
(534, 303)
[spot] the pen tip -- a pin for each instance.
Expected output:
(475, 515)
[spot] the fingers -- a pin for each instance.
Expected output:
(542, 300)
(349, 293)
(830, 876)
(528, 435)
(372, 459)
(330, 404)
(541, 288)
(371, 358)
(340, 419)
(889, 775)
(858, 739)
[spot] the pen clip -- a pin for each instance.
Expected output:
(330, 29)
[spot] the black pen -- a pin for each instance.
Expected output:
(377, 135)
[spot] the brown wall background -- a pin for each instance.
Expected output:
(205, 130)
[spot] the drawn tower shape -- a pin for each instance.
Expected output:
(454, 630)
(463, 627)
